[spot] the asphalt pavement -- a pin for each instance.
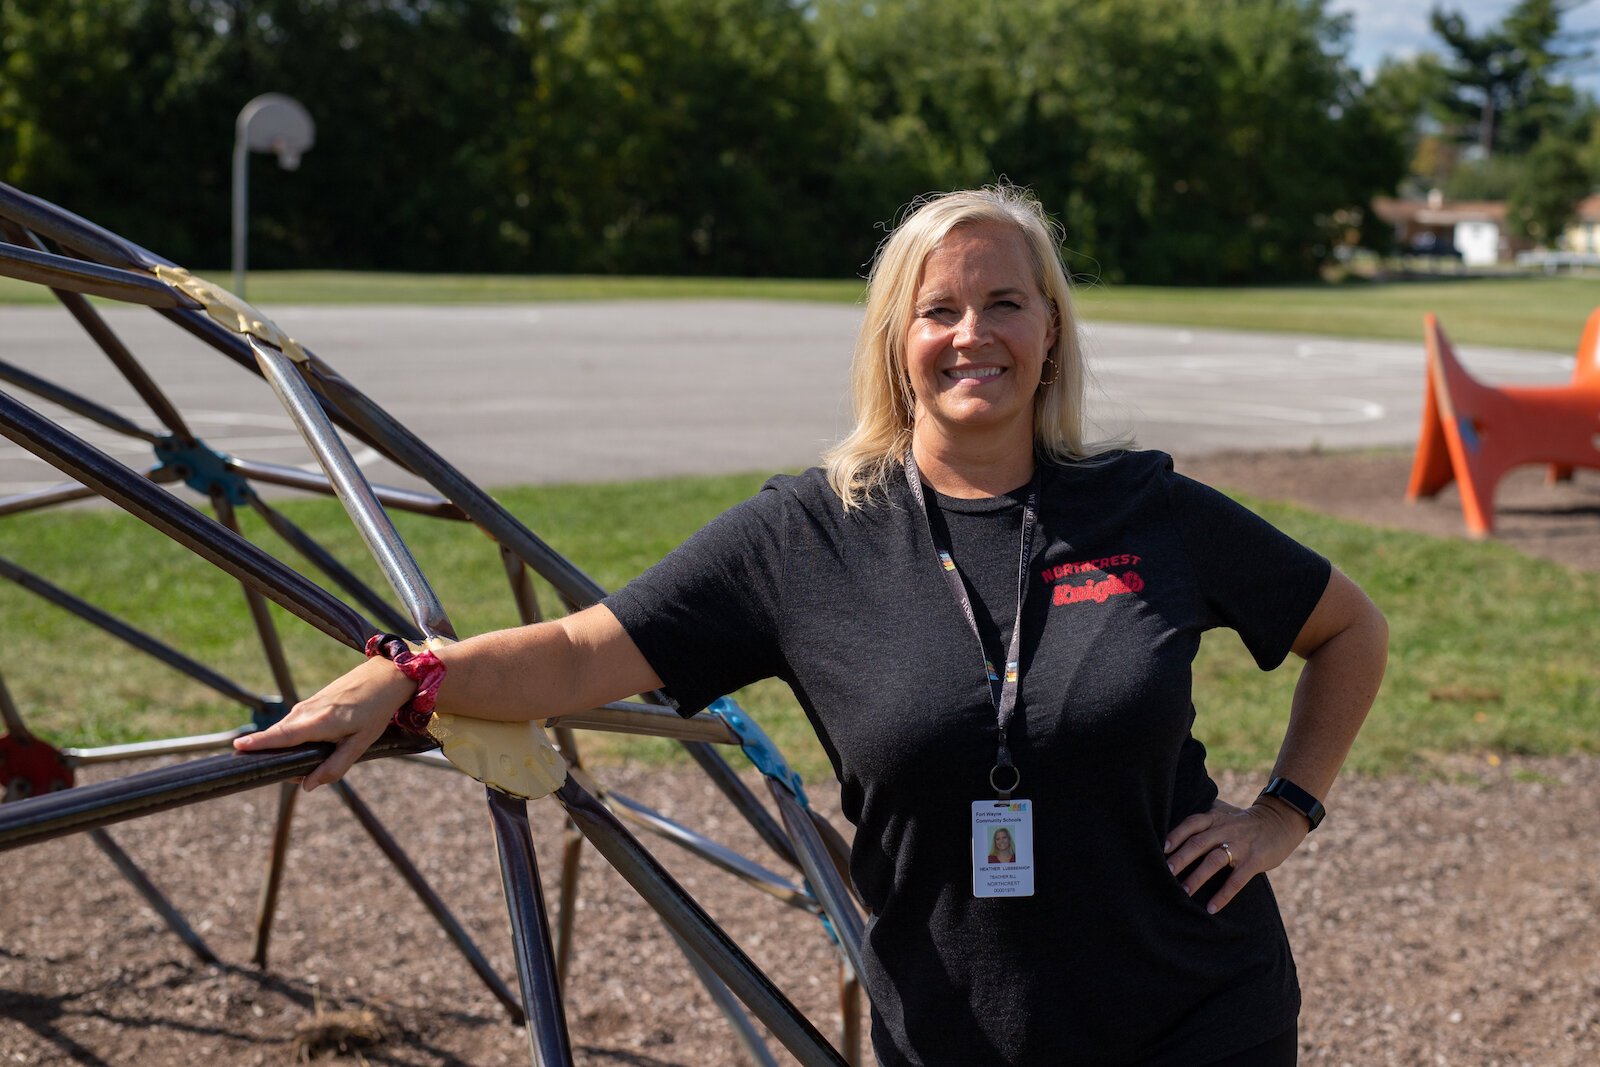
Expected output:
(578, 392)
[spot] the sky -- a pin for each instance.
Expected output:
(1399, 28)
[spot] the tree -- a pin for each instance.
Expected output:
(1179, 140)
(668, 136)
(124, 110)
(1503, 93)
(1544, 197)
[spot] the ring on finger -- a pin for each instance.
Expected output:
(1226, 851)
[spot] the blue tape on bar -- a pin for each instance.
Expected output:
(203, 469)
(758, 746)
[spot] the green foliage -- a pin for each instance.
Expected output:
(1550, 182)
(1503, 93)
(1179, 140)
(1484, 179)
(124, 111)
(677, 136)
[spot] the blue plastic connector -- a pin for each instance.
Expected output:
(270, 714)
(758, 747)
(203, 469)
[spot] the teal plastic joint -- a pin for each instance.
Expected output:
(202, 469)
(758, 747)
(270, 714)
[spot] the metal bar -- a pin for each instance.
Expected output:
(370, 520)
(416, 456)
(266, 630)
(717, 855)
(530, 932)
(850, 1014)
(566, 743)
(838, 850)
(81, 276)
(755, 1047)
(232, 345)
(172, 746)
(430, 899)
(834, 895)
(114, 626)
(690, 922)
(42, 818)
(388, 495)
(112, 346)
(73, 402)
(11, 716)
(625, 717)
(272, 879)
(342, 576)
(34, 499)
(571, 857)
(278, 663)
(152, 896)
(744, 801)
(196, 532)
(571, 583)
(521, 587)
(72, 231)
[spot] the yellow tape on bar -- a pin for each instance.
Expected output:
(230, 311)
(514, 757)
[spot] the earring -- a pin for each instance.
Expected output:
(1050, 364)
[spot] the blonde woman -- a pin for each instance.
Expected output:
(981, 612)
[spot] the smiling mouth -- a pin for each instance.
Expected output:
(981, 374)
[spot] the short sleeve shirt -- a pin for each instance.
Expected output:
(1109, 961)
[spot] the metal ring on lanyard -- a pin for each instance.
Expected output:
(1004, 794)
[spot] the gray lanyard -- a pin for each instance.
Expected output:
(1006, 704)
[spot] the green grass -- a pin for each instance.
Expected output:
(1527, 312)
(269, 288)
(1492, 650)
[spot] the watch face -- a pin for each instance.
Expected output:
(1296, 798)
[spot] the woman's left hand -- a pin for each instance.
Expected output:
(1257, 839)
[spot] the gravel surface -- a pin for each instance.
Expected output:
(1449, 921)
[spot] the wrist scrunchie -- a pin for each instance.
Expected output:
(424, 668)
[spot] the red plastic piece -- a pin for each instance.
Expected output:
(1472, 433)
(29, 767)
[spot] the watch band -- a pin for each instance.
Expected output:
(1296, 798)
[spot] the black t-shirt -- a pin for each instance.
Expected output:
(1109, 961)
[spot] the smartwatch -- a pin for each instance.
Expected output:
(1296, 798)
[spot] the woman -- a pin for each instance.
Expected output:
(964, 523)
(1000, 848)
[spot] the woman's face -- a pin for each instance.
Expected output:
(1002, 841)
(980, 330)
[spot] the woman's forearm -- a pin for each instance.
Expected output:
(1345, 652)
(544, 670)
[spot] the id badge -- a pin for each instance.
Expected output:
(1002, 848)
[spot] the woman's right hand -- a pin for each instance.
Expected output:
(352, 711)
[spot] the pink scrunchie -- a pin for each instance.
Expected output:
(424, 668)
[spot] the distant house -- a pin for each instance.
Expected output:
(1473, 230)
(1583, 234)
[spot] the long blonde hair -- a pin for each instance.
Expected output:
(880, 385)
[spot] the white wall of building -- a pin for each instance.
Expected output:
(1478, 243)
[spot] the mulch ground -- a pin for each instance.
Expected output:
(1448, 921)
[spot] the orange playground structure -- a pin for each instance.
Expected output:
(1473, 433)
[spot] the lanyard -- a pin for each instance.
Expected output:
(1006, 704)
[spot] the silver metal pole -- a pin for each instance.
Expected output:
(370, 520)
(241, 193)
